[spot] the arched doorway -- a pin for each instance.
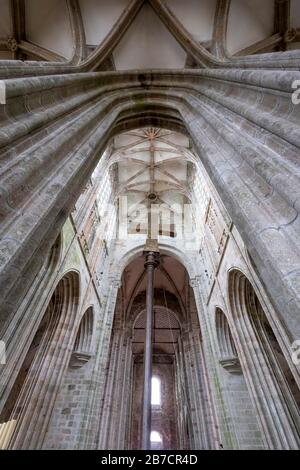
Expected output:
(30, 402)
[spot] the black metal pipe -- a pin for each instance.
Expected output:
(152, 260)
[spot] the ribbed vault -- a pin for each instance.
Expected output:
(139, 34)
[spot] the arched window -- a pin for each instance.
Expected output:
(155, 437)
(155, 391)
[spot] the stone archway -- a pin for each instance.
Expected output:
(32, 396)
(240, 407)
(178, 345)
(272, 382)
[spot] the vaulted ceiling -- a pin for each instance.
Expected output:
(171, 276)
(140, 34)
(152, 168)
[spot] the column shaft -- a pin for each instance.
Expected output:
(150, 264)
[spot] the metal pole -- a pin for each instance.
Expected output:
(152, 260)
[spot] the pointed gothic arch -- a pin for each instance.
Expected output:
(30, 404)
(262, 352)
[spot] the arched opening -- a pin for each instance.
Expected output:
(178, 370)
(274, 369)
(155, 391)
(269, 341)
(156, 440)
(28, 406)
(166, 331)
(236, 393)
